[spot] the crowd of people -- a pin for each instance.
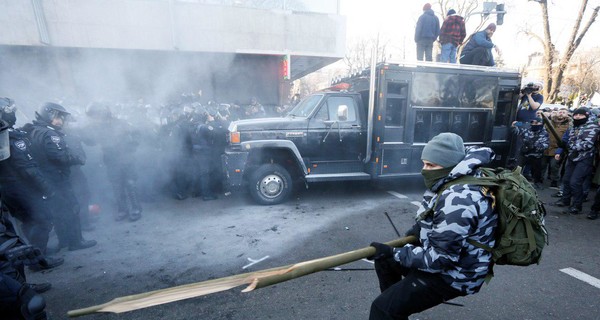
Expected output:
(562, 151)
(44, 183)
(451, 35)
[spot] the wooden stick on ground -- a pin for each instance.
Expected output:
(254, 280)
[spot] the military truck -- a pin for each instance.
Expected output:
(346, 133)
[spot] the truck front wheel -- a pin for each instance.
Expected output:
(270, 184)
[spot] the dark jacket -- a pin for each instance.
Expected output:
(21, 168)
(428, 27)
(479, 39)
(51, 151)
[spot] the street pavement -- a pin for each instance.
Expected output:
(181, 242)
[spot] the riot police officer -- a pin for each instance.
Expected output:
(118, 142)
(18, 299)
(202, 139)
(55, 160)
(24, 189)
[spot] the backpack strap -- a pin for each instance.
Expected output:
(479, 181)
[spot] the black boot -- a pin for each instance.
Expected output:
(135, 209)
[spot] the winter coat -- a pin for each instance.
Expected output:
(582, 140)
(560, 128)
(463, 212)
(453, 30)
(428, 27)
(534, 142)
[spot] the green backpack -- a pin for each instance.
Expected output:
(521, 234)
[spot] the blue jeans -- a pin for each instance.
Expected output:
(448, 53)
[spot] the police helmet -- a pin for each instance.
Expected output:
(50, 110)
(98, 110)
(7, 111)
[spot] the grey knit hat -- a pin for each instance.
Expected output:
(446, 149)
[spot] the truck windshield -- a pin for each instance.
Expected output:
(306, 106)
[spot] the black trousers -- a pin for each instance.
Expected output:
(65, 212)
(535, 164)
(479, 56)
(407, 291)
(574, 178)
(27, 206)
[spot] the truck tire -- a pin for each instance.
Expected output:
(270, 184)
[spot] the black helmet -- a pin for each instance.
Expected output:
(7, 111)
(49, 111)
(98, 110)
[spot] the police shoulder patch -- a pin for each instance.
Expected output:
(55, 139)
(21, 145)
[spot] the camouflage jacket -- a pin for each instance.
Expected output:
(582, 140)
(534, 142)
(462, 212)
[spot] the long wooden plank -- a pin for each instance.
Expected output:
(254, 280)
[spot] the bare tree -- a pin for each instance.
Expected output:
(358, 54)
(463, 8)
(584, 75)
(553, 76)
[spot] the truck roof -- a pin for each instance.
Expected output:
(439, 66)
(421, 66)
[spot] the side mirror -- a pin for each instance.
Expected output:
(342, 113)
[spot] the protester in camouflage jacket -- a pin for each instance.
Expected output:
(535, 141)
(581, 141)
(463, 212)
(444, 265)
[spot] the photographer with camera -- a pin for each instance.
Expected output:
(530, 100)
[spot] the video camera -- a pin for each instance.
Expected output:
(530, 88)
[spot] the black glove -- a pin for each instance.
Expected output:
(382, 251)
(415, 230)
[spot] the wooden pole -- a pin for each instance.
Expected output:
(254, 280)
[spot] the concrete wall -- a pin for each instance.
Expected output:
(156, 49)
(171, 25)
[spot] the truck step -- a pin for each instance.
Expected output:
(322, 177)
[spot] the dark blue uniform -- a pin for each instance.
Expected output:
(24, 188)
(203, 149)
(55, 159)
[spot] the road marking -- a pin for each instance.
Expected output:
(368, 261)
(253, 262)
(416, 203)
(397, 195)
(582, 276)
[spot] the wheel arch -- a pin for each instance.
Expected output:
(282, 152)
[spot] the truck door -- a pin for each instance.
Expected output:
(336, 131)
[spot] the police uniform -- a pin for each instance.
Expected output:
(202, 139)
(24, 190)
(55, 159)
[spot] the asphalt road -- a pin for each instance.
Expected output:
(181, 242)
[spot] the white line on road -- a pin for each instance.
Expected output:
(397, 195)
(582, 276)
(416, 203)
(253, 262)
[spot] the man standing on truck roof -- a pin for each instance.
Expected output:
(445, 264)
(426, 32)
(452, 35)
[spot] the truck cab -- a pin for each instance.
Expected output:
(337, 135)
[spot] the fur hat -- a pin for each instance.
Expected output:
(446, 149)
